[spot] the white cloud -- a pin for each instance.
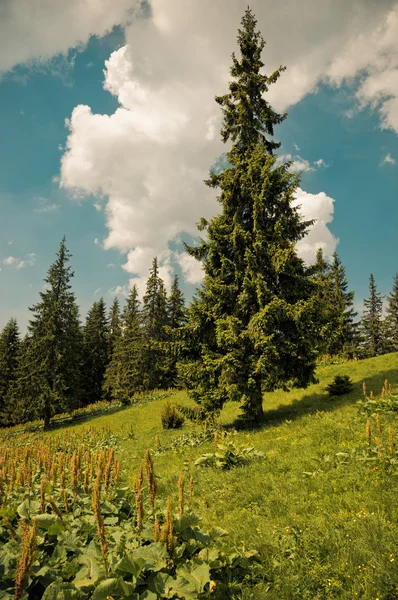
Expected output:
(148, 158)
(320, 163)
(388, 159)
(97, 206)
(296, 147)
(37, 30)
(97, 242)
(300, 164)
(18, 263)
(373, 55)
(97, 291)
(191, 268)
(45, 206)
(319, 207)
(119, 290)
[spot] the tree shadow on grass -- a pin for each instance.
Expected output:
(316, 402)
(83, 419)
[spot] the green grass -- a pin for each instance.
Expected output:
(323, 529)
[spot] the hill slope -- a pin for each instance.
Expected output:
(323, 520)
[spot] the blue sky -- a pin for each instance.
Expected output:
(119, 170)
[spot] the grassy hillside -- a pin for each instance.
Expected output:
(323, 521)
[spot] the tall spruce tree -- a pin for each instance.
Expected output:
(154, 320)
(114, 325)
(176, 318)
(255, 317)
(347, 338)
(391, 320)
(96, 351)
(371, 323)
(322, 275)
(49, 374)
(176, 309)
(9, 353)
(124, 374)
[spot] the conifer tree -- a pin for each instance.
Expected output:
(124, 374)
(322, 275)
(254, 321)
(371, 322)
(154, 320)
(96, 351)
(9, 351)
(114, 325)
(343, 300)
(176, 309)
(391, 320)
(49, 374)
(176, 318)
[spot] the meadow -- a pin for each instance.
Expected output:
(301, 507)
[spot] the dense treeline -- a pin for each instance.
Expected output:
(259, 321)
(61, 365)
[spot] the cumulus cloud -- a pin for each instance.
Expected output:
(373, 56)
(149, 157)
(319, 207)
(18, 263)
(388, 159)
(37, 30)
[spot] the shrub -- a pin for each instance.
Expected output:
(341, 385)
(171, 417)
(228, 454)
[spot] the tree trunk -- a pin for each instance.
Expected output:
(253, 405)
(47, 421)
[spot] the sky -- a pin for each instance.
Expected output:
(108, 127)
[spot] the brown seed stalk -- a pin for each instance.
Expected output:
(378, 423)
(368, 432)
(190, 493)
(391, 439)
(96, 505)
(181, 494)
(24, 564)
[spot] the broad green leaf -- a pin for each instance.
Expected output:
(191, 579)
(128, 565)
(49, 522)
(22, 510)
(154, 555)
(59, 590)
(93, 564)
(113, 586)
(148, 595)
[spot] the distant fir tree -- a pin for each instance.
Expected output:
(49, 374)
(114, 333)
(321, 273)
(96, 352)
(114, 325)
(176, 309)
(124, 374)
(154, 320)
(372, 343)
(391, 320)
(347, 339)
(177, 315)
(255, 318)
(9, 353)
